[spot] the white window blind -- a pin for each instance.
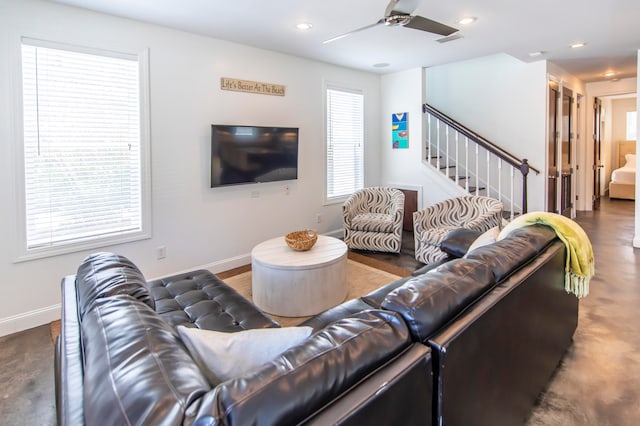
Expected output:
(82, 145)
(345, 137)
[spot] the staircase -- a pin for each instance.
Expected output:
(474, 163)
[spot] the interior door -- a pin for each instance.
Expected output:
(566, 142)
(597, 158)
(552, 148)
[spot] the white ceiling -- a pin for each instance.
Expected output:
(611, 29)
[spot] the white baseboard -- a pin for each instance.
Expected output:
(29, 320)
(214, 267)
(230, 263)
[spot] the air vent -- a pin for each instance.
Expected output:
(449, 38)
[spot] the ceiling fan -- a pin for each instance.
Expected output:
(398, 13)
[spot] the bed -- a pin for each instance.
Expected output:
(623, 179)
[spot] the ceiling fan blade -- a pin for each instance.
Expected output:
(401, 7)
(425, 24)
(332, 39)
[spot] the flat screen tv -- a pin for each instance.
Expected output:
(252, 154)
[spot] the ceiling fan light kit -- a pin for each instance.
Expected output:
(468, 20)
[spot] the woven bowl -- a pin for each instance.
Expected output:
(301, 240)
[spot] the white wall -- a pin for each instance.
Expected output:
(199, 226)
(502, 99)
(403, 92)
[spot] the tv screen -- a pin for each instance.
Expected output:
(252, 154)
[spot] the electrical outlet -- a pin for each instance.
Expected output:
(318, 218)
(287, 190)
(161, 252)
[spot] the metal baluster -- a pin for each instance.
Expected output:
(477, 170)
(446, 169)
(429, 138)
(457, 160)
(488, 174)
(499, 179)
(466, 163)
(513, 179)
(438, 144)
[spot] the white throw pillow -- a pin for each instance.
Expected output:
(488, 237)
(631, 160)
(223, 356)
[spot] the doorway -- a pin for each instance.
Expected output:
(566, 186)
(597, 153)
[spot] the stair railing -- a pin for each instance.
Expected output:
(489, 166)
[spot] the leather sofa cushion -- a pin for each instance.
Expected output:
(107, 274)
(373, 222)
(429, 301)
(376, 297)
(307, 377)
(343, 310)
(201, 299)
(136, 369)
(431, 266)
(539, 236)
(514, 251)
(457, 242)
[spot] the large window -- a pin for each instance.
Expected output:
(85, 148)
(345, 137)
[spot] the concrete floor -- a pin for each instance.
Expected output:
(597, 383)
(27, 395)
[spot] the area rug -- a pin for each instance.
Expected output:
(361, 278)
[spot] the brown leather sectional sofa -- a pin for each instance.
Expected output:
(473, 341)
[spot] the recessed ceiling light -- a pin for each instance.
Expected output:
(609, 73)
(578, 45)
(468, 20)
(381, 65)
(304, 26)
(537, 53)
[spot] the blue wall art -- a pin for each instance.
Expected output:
(399, 130)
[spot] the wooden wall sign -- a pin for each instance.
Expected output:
(248, 86)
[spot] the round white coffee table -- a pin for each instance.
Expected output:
(293, 283)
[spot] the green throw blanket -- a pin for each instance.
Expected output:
(580, 265)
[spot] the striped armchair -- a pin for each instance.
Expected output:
(372, 219)
(432, 224)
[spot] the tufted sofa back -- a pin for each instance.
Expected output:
(200, 299)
